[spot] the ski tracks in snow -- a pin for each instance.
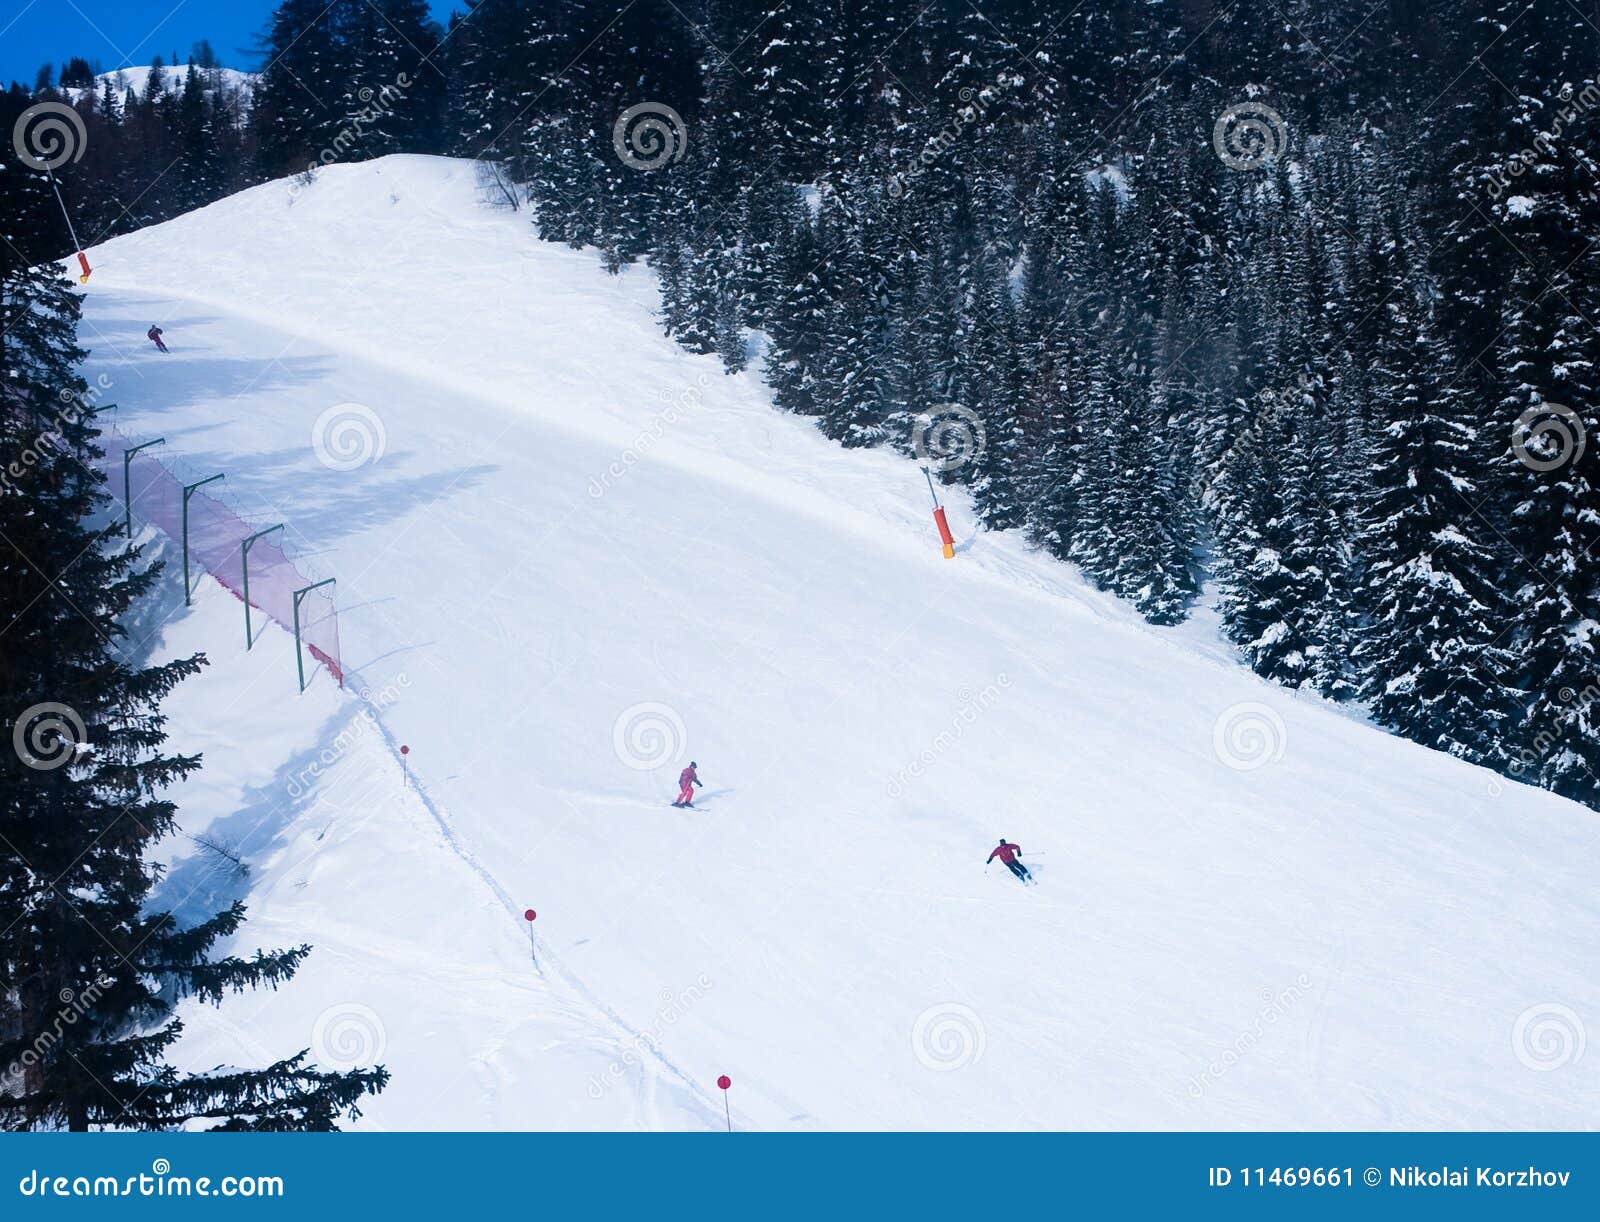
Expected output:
(546, 964)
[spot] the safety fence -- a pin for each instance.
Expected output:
(250, 561)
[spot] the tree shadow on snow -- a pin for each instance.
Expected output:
(147, 387)
(334, 505)
(205, 880)
(148, 616)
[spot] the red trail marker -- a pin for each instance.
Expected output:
(945, 537)
(724, 1082)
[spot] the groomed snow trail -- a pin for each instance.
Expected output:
(590, 556)
(344, 851)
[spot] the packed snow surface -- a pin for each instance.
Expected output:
(572, 556)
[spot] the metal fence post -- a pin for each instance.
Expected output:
(188, 491)
(127, 493)
(249, 639)
(299, 657)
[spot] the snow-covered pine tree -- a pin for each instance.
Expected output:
(393, 94)
(1055, 327)
(297, 110)
(851, 370)
(492, 63)
(797, 318)
(1548, 363)
(199, 172)
(1435, 658)
(93, 965)
(992, 386)
(728, 324)
(796, 76)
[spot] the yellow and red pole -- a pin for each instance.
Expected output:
(945, 537)
(83, 259)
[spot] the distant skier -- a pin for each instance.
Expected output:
(1011, 855)
(687, 780)
(154, 334)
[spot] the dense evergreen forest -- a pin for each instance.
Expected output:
(1290, 306)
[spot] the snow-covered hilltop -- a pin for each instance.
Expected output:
(226, 80)
(571, 557)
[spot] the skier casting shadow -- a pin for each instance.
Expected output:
(1011, 855)
(154, 334)
(687, 780)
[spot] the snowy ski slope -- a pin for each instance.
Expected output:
(583, 552)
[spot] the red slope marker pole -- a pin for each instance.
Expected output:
(724, 1082)
(939, 520)
(83, 259)
(405, 764)
(530, 916)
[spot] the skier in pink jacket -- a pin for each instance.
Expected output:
(687, 780)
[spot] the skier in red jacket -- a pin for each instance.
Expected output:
(1011, 855)
(687, 780)
(154, 334)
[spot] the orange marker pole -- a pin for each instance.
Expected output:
(83, 259)
(945, 536)
(944, 533)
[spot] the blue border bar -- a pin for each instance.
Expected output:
(534, 1176)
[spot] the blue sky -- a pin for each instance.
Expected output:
(124, 33)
